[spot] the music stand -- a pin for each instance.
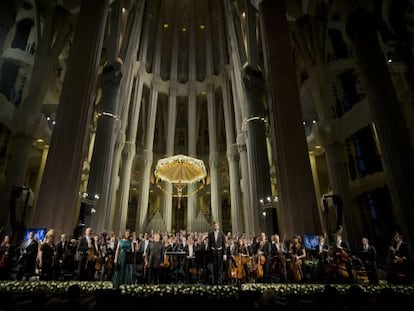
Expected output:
(138, 261)
(202, 258)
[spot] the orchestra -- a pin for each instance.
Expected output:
(186, 258)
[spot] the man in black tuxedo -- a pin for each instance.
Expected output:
(368, 256)
(28, 257)
(87, 256)
(217, 246)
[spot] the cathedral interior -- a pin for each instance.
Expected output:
(300, 112)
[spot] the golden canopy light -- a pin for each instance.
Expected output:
(180, 171)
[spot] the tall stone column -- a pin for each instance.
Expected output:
(242, 150)
(393, 136)
(129, 156)
(172, 117)
(298, 207)
(128, 53)
(213, 160)
(148, 159)
(192, 207)
(100, 175)
(257, 149)
(235, 193)
(59, 193)
(233, 162)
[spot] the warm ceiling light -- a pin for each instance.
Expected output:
(243, 14)
(202, 26)
(184, 29)
(165, 25)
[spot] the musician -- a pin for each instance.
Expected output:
(399, 260)
(190, 269)
(61, 252)
(109, 257)
(342, 258)
(28, 257)
(142, 248)
(217, 246)
(368, 256)
(6, 258)
(87, 255)
(322, 257)
(278, 259)
(47, 259)
(155, 255)
(298, 254)
(264, 248)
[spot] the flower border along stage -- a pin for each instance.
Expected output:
(204, 291)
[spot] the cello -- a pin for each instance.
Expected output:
(260, 260)
(236, 268)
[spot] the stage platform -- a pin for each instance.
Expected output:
(53, 295)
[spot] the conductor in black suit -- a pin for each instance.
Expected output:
(217, 246)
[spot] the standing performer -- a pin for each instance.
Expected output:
(87, 256)
(217, 246)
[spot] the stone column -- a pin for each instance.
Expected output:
(172, 117)
(213, 160)
(148, 159)
(129, 152)
(290, 150)
(257, 149)
(100, 174)
(235, 193)
(128, 53)
(393, 136)
(59, 193)
(192, 208)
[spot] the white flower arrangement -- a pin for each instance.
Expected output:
(55, 287)
(207, 291)
(199, 290)
(312, 289)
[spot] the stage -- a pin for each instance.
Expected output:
(97, 295)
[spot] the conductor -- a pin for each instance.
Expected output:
(217, 246)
